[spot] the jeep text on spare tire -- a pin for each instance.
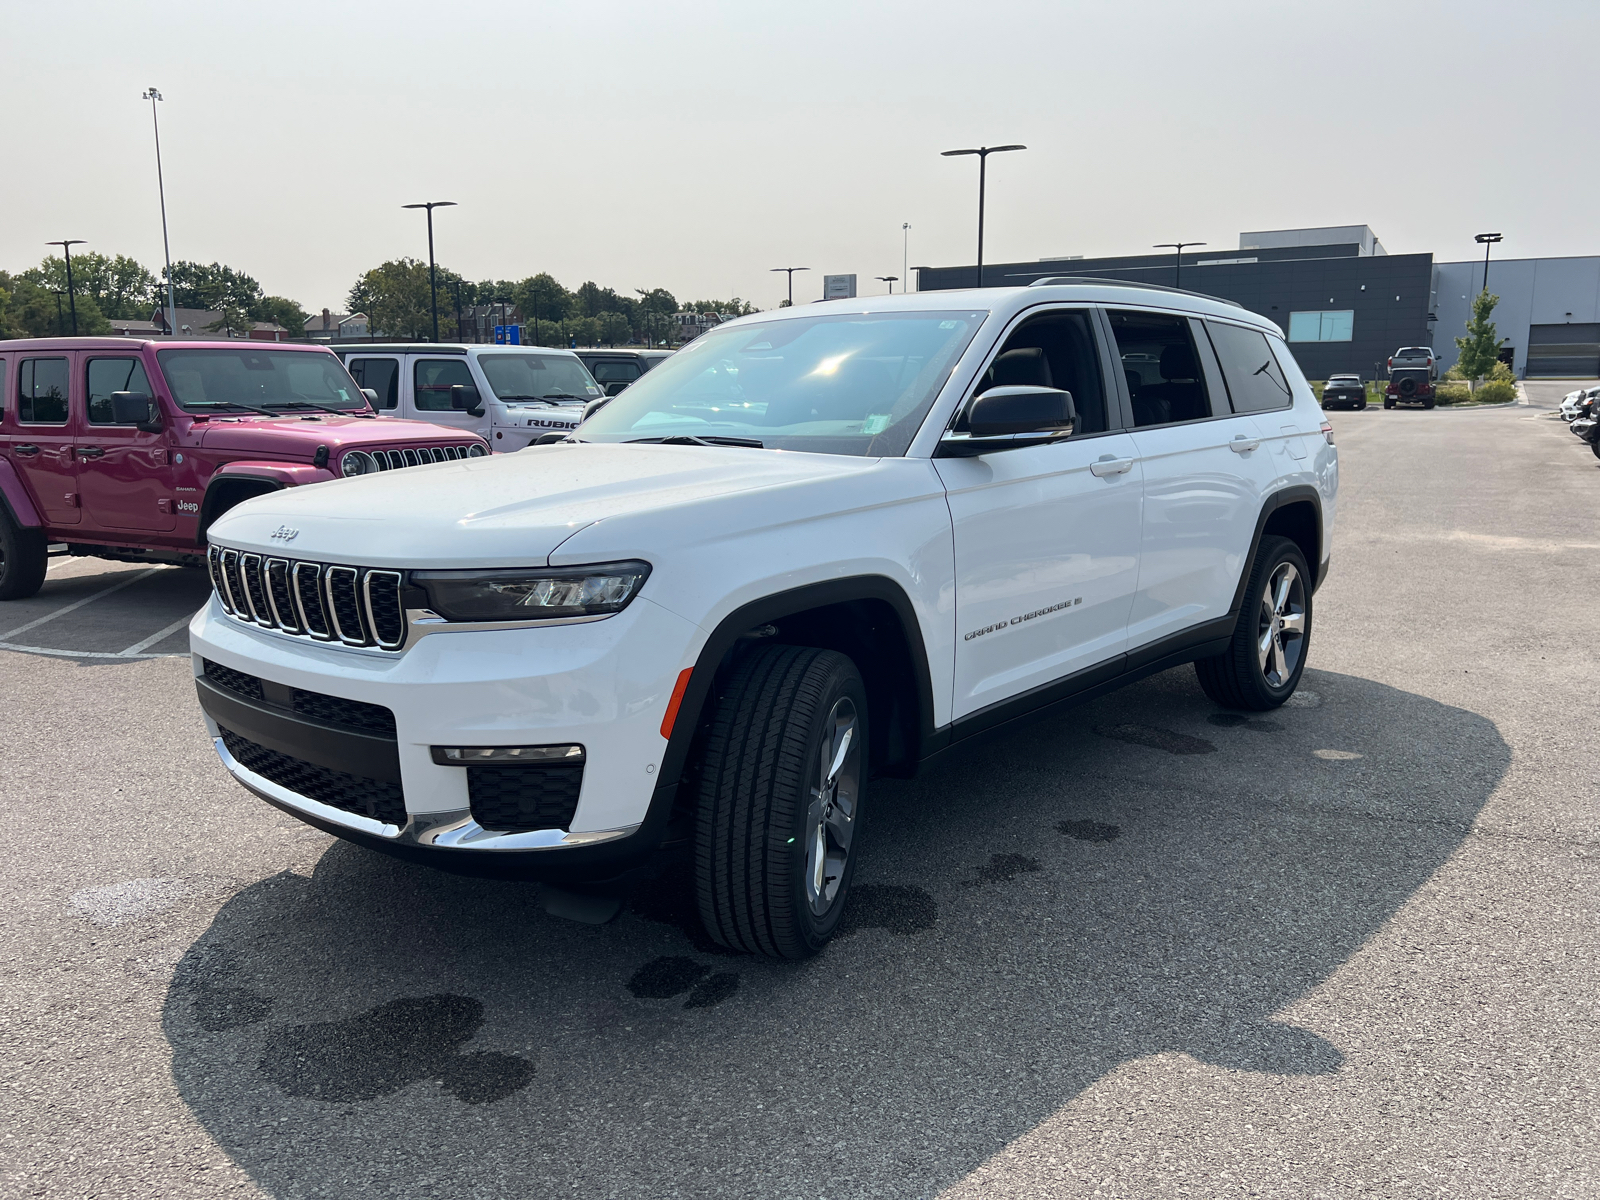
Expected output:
(814, 547)
(129, 449)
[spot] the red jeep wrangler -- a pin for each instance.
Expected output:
(129, 449)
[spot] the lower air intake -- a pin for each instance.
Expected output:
(518, 799)
(375, 798)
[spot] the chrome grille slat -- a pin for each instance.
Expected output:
(344, 605)
(308, 600)
(410, 457)
(255, 589)
(380, 593)
(280, 598)
(225, 565)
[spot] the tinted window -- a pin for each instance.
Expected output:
(209, 380)
(382, 375)
(537, 377)
(107, 375)
(1322, 326)
(2, 387)
(615, 371)
(1056, 350)
(1161, 367)
(1255, 380)
(434, 377)
(42, 391)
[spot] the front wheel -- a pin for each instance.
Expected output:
(24, 555)
(1595, 446)
(782, 777)
(1262, 665)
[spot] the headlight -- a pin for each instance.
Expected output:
(477, 450)
(532, 594)
(357, 462)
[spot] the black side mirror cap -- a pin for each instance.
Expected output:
(465, 399)
(1021, 409)
(136, 409)
(372, 397)
(594, 406)
(613, 389)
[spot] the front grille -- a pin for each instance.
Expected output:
(314, 706)
(354, 605)
(517, 799)
(373, 798)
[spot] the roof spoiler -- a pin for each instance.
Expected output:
(1054, 280)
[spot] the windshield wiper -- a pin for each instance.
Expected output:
(338, 412)
(557, 396)
(265, 412)
(690, 439)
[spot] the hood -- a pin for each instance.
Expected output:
(513, 509)
(296, 437)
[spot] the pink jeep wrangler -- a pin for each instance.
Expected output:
(129, 449)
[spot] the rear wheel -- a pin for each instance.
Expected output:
(1361, 405)
(1595, 446)
(782, 776)
(1262, 665)
(1427, 404)
(1388, 403)
(24, 554)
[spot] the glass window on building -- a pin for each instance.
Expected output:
(1322, 326)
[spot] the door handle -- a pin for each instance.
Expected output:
(1109, 464)
(91, 451)
(1243, 444)
(26, 448)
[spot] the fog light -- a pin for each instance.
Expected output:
(507, 756)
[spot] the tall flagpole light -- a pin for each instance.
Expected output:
(72, 303)
(983, 153)
(1177, 249)
(791, 271)
(433, 287)
(152, 95)
(905, 255)
(1487, 241)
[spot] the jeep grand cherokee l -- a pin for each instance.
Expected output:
(810, 549)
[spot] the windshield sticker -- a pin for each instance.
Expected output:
(876, 423)
(1038, 612)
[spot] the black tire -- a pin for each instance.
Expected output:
(1427, 404)
(1361, 405)
(1237, 678)
(761, 796)
(1595, 446)
(24, 554)
(1388, 403)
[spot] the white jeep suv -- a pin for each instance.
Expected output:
(814, 547)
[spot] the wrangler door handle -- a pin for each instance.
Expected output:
(26, 448)
(1243, 444)
(1108, 465)
(91, 451)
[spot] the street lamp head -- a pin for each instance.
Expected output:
(432, 204)
(775, 269)
(1488, 237)
(152, 94)
(1001, 149)
(65, 242)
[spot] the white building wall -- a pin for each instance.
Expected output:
(1532, 291)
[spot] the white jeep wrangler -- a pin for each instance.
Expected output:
(813, 547)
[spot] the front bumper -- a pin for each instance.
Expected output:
(603, 685)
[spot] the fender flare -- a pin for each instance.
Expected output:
(1293, 494)
(16, 499)
(725, 637)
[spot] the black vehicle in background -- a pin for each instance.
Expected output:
(1409, 385)
(1344, 389)
(614, 370)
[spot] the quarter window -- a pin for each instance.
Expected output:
(614, 371)
(1322, 326)
(1255, 380)
(433, 379)
(1165, 381)
(42, 391)
(382, 375)
(107, 375)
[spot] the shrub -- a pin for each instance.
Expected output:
(1496, 391)
(1452, 393)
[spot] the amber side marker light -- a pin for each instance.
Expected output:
(677, 698)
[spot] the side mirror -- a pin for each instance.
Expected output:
(136, 409)
(372, 397)
(613, 389)
(593, 407)
(1009, 416)
(464, 398)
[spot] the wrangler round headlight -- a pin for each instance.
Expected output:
(357, 462)
(477, 450)
(532, 593)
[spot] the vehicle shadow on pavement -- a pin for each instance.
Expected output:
(1142, 875)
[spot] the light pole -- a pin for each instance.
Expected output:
(791, 271)
(983, 153)
(152, 95)
(461, 333)
(1487, 240)
(72, 303)
(1177, 252)
(889, 279)
(61, 322)
(433, 289)
(905, 252)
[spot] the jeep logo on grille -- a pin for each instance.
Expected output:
(284, 534)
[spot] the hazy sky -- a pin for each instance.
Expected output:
(695, 145)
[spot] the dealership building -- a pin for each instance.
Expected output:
(1346, 304)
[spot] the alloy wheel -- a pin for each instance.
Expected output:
(1281, 628)
(830, 819)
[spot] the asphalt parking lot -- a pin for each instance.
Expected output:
(1146, 949)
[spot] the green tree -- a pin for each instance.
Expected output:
(396, 299)
(282, 310)
(614, 328)
(231, 322)
(733, 308)
(30, 309)
(214, 286)
(1480, 349)
(119, 285)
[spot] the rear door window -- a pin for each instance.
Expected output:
(1166, 382)
(615, 370)
(382, 375)
(434, 377)
(1256, 382)
(42, 391)
(107, 375)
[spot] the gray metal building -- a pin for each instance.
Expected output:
(1548, 316)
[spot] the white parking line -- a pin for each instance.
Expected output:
(50, 652)
(66, 608)
(134, 650)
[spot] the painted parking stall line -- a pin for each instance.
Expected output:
(77, 604)
(136, 650)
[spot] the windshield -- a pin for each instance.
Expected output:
(537, 377)
(857, 383)
(215, 380)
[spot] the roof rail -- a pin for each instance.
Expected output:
(1051, 280)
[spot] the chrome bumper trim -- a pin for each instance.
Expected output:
(451, 830)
